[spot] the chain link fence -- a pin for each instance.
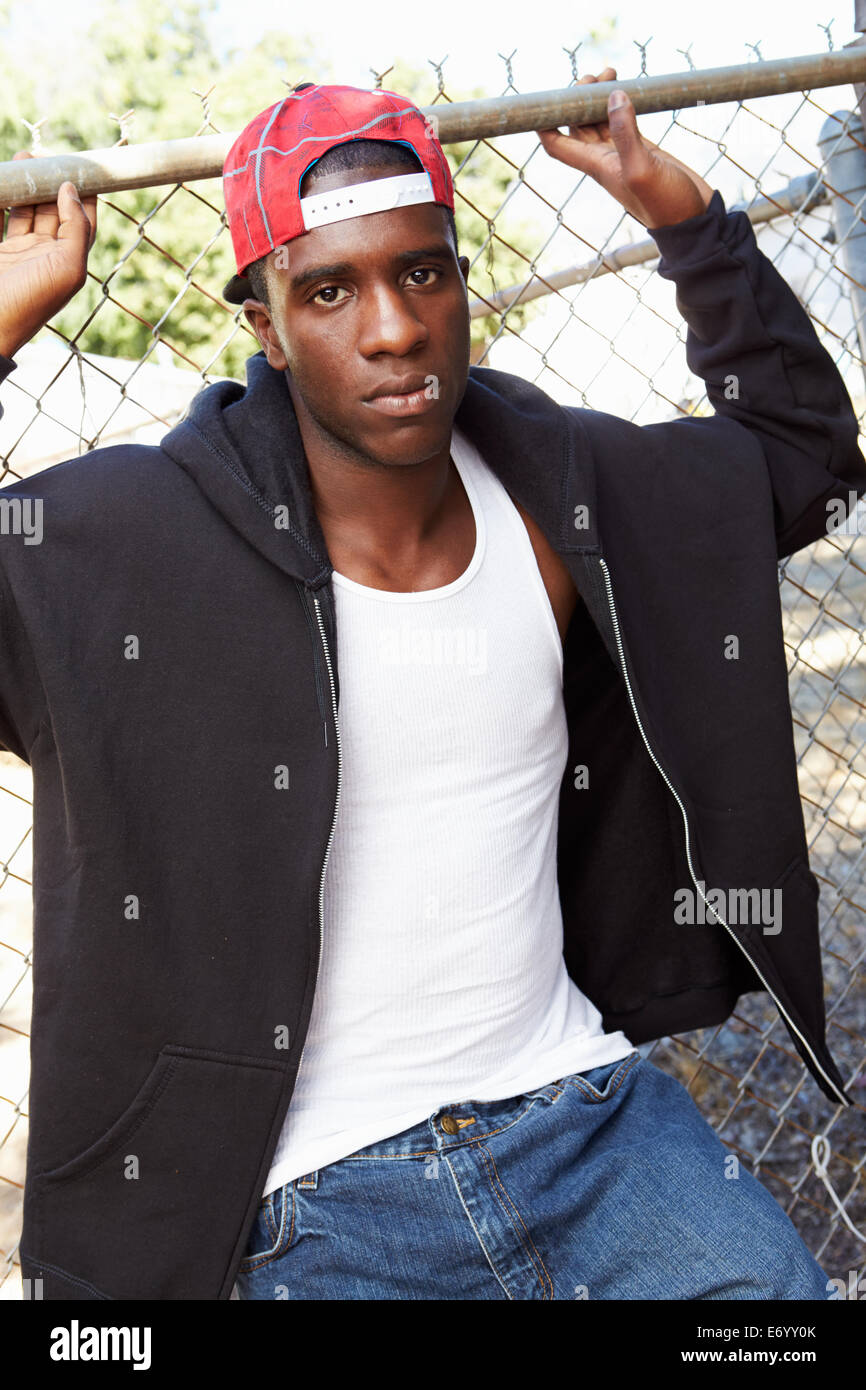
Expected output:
(563, 293)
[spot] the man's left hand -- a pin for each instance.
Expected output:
(652, 185)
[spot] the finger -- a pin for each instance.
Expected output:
(41, 218)
(590, 132)
(586, 132)
(609, 75)
(576, 153)
(46, 219)
(634, 157)
(89, 205)
(593, 131)
(20, 221)
(603, 127)
(74, 226)
(20, 218)
(44, 216)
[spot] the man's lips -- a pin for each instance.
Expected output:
(405, 403)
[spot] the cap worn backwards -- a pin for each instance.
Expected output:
(264, 169)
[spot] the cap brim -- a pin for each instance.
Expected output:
(237, 289)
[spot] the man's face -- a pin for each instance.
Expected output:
(374, 301)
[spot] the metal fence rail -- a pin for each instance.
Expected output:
(563, 293)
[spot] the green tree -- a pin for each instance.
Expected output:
(162, 254)
(147, 70)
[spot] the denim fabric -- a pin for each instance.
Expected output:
(606, 1184)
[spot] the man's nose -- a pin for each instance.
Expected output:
(390, 324)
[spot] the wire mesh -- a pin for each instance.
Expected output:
(601, 331)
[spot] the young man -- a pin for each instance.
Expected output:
(379, 720)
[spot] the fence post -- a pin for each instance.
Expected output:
(860, 26)
(843, 159)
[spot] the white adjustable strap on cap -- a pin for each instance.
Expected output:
(375, 195)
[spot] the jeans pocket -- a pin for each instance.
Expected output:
(600, 1083)
(272, 1231)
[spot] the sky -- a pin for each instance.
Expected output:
(470, 37)
(473, 34)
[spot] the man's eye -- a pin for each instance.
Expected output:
(326, 289)
(335, 289)
(425, 270)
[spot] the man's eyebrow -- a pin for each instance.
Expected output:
(440, 251)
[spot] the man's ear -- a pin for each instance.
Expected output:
(463, 262)
(253, 310)
(259, 320)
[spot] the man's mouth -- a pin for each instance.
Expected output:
(404, 403)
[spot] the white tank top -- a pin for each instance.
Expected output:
(442, 977)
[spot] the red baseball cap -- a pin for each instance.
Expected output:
(265, 166)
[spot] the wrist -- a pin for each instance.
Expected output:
(681, 238)
(702, 205)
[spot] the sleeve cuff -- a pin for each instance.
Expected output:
(696, 238)
(6, 366)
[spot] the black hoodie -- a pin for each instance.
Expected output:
(171, 643)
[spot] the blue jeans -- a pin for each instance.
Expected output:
(606, 1184)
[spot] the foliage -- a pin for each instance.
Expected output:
(163, 254)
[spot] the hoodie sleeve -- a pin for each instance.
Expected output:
(754, 345)
(22, 699)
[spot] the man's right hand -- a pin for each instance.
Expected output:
(43, 261)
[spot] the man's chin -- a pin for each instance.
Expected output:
(409, 443)
(406, 439)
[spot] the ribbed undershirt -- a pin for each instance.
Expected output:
(442, 977)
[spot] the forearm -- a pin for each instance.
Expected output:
(756, 349)
(9, 344)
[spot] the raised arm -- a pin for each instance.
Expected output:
(754, 346)
(43, 263)
(749, 337)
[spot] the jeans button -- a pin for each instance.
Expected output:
(449, 1124)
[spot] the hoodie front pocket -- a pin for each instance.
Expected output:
(156, 1207)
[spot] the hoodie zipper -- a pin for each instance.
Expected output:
(333, 818)
(673, 792)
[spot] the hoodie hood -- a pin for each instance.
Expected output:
(242, 446)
